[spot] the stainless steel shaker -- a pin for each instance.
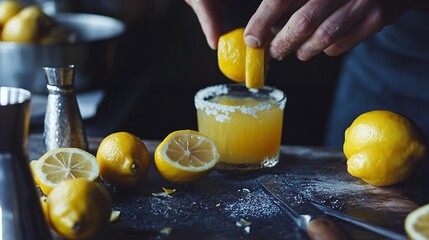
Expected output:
(63, 121)
(21, 215)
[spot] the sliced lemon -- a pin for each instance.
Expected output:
(186, 156)
(231, 55)
(33, 164)
(417, 223)
(255, 71)
(60, 164)
(239, 62)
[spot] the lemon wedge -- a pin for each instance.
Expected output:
(185, 156)
(60, 164)
(239, 62)
(255, 71)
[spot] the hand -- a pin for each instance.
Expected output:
(208, 13)
(312, 26)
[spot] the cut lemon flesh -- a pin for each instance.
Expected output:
(185, 156)
(417, 223)
(255, 73)
(60, 164)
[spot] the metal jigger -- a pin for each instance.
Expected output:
(63, 121)
(21, 215)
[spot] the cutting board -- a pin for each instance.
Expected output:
(232, 205)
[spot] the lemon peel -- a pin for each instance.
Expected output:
(123, 159)
(79, 209)
(383, 147)
(114, 216)
(166, 193)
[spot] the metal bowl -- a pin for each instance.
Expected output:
(92, 53)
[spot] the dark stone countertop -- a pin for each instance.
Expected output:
(210, 208)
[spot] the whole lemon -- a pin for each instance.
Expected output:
(78, 208)
(123, 159)
(19, 29)
(8, 9)
(27, 26)
(383, 147)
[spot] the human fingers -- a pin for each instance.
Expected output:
(381, 14)
(208, 17)
(334, 27)
(285, 17)
(259, 26)
(301, 25)
(370, 24)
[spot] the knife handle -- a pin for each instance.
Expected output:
(322, 228)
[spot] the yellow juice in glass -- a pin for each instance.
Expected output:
(246, 124)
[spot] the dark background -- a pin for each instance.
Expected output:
(163, 60)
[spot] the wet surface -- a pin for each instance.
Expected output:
(214, 207)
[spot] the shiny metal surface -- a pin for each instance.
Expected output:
(303, 210)
(298, 208)
(21, 215)
(92, 53)
(63, 121)
(367, 226)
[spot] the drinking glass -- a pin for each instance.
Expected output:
(246, 124)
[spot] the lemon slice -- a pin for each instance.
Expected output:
(186, 156)
(417, 223)
(255, 71)
(60, 164)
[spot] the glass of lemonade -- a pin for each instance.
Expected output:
(246, 124)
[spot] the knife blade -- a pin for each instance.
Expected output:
(364, 225)
(305, 215)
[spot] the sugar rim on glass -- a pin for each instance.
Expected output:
(222, 112)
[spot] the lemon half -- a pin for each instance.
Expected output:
(186, 156)
(61, 164)
(417, 223)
